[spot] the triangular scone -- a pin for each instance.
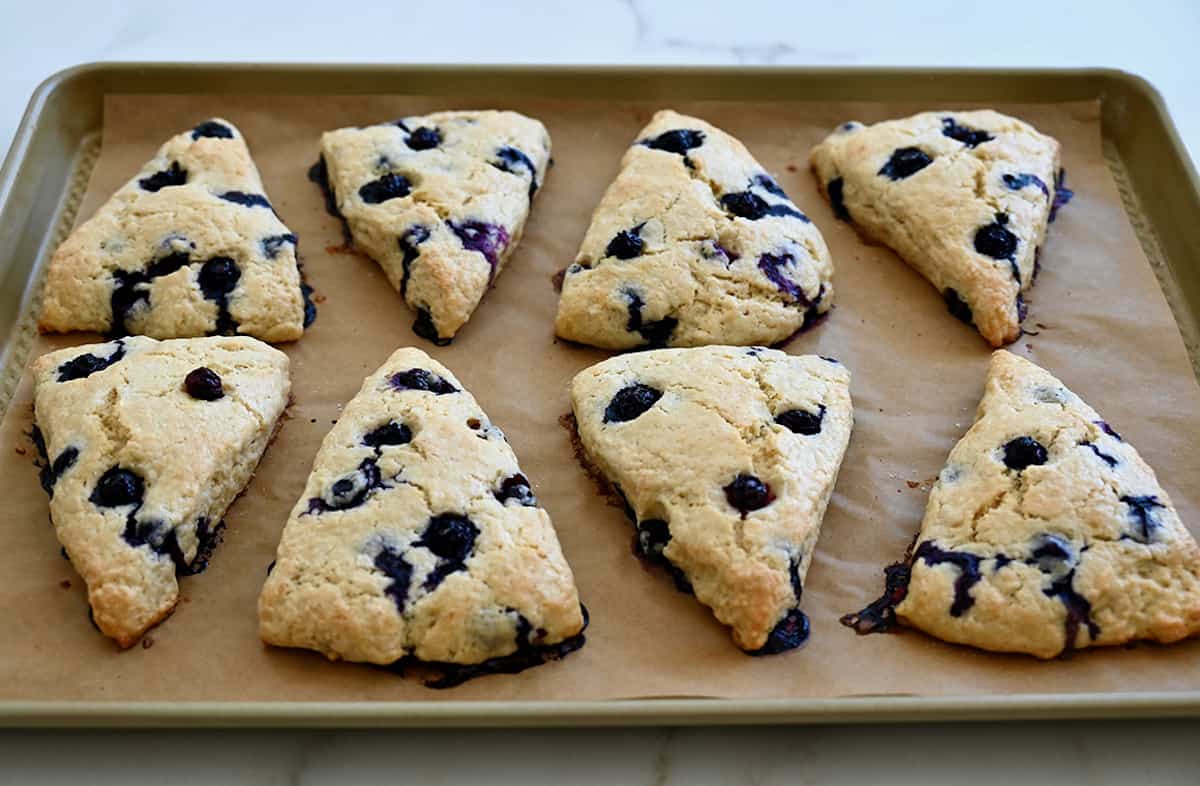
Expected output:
(1046, 532)
(694, 243)
(144, 445)
(963, 197)
(726, 458)
(189, 247)
(439, 201)
(418, 538)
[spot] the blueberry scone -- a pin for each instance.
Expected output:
(439, 201)
(189, 247)
(725, 458)
(418, 539)
(963, 197)
(144, 446)
(693, 244)
(1045, 532)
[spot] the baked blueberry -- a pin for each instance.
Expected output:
(450, 536)
(995, 240)
(971, 137)
(393, 565)
(390, 433)
(626, 244)
(166, 265)
(968, 572)
(423, 326)
(211, 128)
(802, 421)
(516, 487)
(203, 383)
(788, 634)
(245, 200)
(83, 366)
(1051, 553)
(424, 138)
(1145, 520)
(837, 199)
(1100, 454)
(771, 264)
(656, 332)
(218, 277)
(748, 205)
(768, 184)
(389, 186)
(117, 487)
(631, 402)
(1024, 180)
(1024, 452)
(272, 244)
(905, 162)
(511, 159)
(677, 141)
(958, 307)
(174, 175)
(488, 239)
(350, 490)
(1107, 429)
(747, 493)
(409, 242)
(420, 379)
(1062, 194)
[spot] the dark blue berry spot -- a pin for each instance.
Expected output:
(772, 266)
(968, 572)
(631, 402)
(1024, 452)
(85, 365)
(211, 128)
(420, 379)
(349, 491)
(1024, 180)
(768, 184)
(424, 138)
(310, 308)
(995, 240)
(165, 266)
(118, 487)
(393, 565)
(627, 244)
(1062, 194)
(837, 200)
(271, 245)
(748, 205)
(657, 332)
(788, 634)
(390, 433)
(390, 186)
(1107, 429)
(172, 176)
(245, 200)
(423, 326)
(451, 538)
(958, 307)
(880, 615)
(203, 383)
(511, 159)
(802, 421)
(746, 493)
(905, 162)
(1105, 457)
(488, 239)
(1142, 510)
(970, 137)
(218, 277)
(409, 242)
(678, 141)
(516, 487)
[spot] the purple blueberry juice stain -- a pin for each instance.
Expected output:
(488, 239)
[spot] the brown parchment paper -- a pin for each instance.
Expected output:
(1103, 327)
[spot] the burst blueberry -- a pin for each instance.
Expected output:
(802, 421)
(420, 379)
(424, 138)
(173, 175)
(631, 402)
(1024, 452)
(747, 493)
(905, 162)
(389, 186)
(203, 383)
(678, 141)
(118, 486)
(996, 240)
(626, 244)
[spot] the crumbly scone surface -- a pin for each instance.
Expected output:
(1047, 532)
(417, 535)
(727, 457)
(440, 202)
(962, 197)
(693, 244)
(139, 469)
(190, 246)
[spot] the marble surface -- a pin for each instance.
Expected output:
(1154, 38)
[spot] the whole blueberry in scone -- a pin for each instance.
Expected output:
(143, 451)
(726, 459)
(962, 197)
(439, 201)
(418, 539)
(1045, 533)
(145, 262)
(693, 244)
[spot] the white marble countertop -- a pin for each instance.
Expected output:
(1154, 38)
